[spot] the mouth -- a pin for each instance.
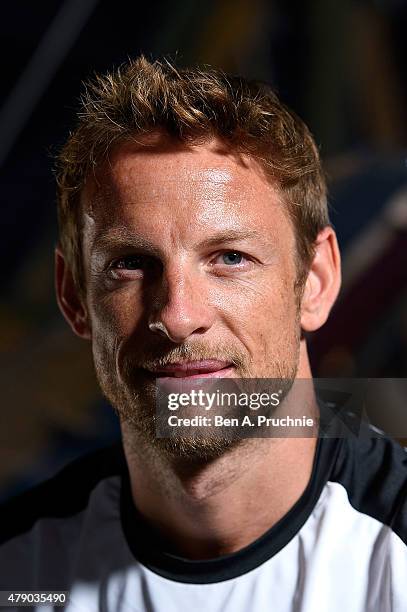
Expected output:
(208, 368)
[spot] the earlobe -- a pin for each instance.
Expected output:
(323, 281)
(69, 301)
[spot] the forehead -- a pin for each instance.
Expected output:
(203, 186)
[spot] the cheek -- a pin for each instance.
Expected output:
(263, 316)
(114, 318)
(115, 314)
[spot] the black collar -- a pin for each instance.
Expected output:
(149, 549)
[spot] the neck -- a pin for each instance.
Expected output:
(218, 507)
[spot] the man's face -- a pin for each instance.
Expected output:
(190, 258)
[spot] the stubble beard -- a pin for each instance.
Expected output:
(134, 398)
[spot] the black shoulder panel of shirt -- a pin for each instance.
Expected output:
(373, 470)
(65, 494)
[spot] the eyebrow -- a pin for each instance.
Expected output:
(229, 236)
(122, 236)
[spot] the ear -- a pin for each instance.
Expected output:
(68, 298)
(323, 281)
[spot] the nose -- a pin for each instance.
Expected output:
(181, 306)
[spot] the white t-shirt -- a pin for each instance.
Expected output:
(341, 548)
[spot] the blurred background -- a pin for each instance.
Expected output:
(340, 65)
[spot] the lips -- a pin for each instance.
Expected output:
(208, 368)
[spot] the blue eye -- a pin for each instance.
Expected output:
(231, 258)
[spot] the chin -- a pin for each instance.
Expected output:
(141, 432)
(194, 450)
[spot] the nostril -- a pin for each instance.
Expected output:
(158, 326)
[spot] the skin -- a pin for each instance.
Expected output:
(185, 209)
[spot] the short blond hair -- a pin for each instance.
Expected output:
(191, 105)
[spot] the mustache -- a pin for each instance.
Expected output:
(186, 352)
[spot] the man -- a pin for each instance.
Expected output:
(195, 243)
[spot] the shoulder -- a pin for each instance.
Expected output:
(63, 496)
(372, 468)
